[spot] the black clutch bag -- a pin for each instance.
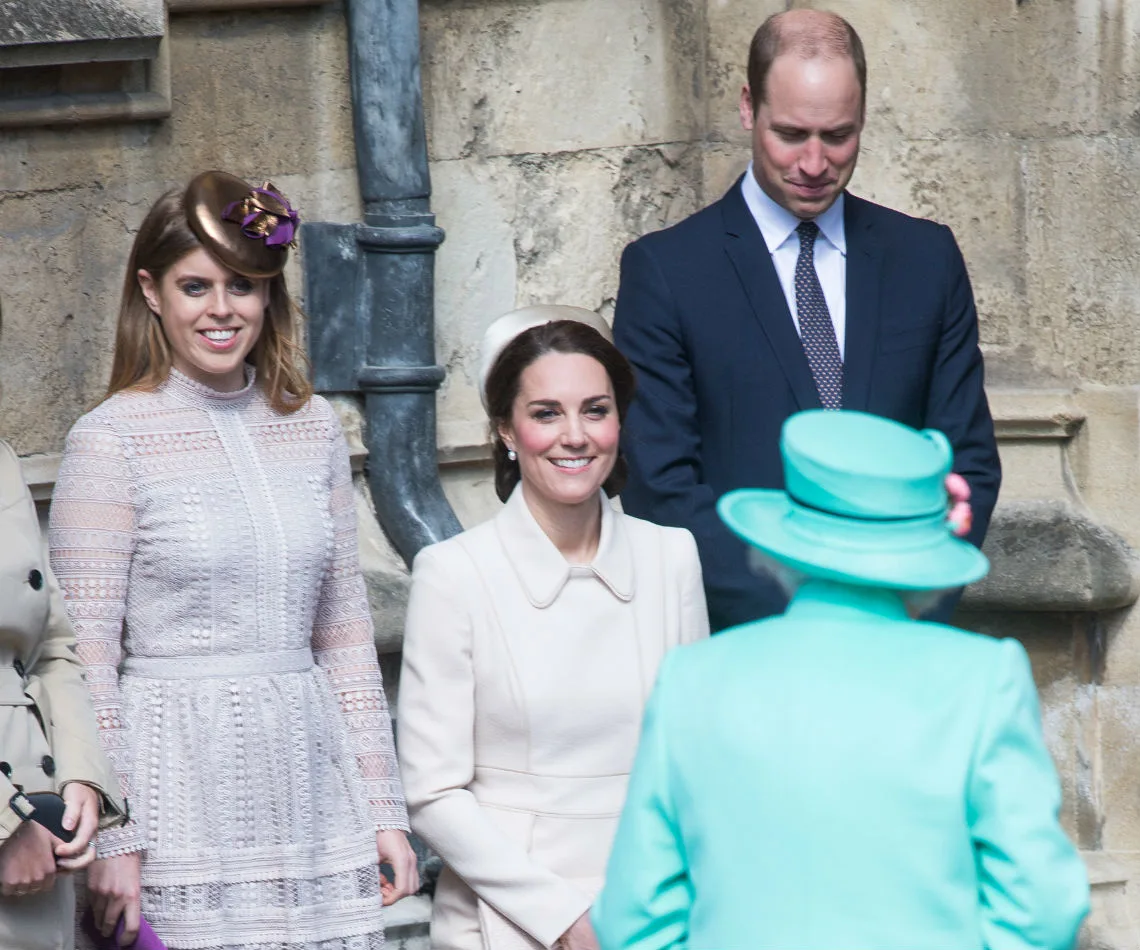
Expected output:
(49, 809)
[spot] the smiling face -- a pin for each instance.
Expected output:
(211, 316)
(805, 135)
(564, 426)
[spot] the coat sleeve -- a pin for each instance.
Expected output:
(957, 404)
(344, 647)
(661, 440)
(92, 538)
(646, 900)
(436, 716)
(1034, 891)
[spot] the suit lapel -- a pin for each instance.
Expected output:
(746, 249)
(864, 279)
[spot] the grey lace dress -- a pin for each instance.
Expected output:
(206, 545)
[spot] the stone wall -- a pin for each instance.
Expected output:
(559, 130)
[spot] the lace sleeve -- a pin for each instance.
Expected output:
(92, 539)
(344, 647)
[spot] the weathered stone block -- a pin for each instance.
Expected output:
(514, 77)
(1051, 556)
(1118, 710)
(1080, 253)
(731, 24)
(721, 165)
(49, 32)
(1113, 923)
(291, 114)
(541, 228)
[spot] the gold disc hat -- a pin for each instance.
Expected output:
(248, 229)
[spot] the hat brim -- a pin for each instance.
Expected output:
(760, 517)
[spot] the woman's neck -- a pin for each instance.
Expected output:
(574, 529)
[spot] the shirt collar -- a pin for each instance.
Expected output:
(777, 224)
(540, 566)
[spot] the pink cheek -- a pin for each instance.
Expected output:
(532, 440)
(608, 435)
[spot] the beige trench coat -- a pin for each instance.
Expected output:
(48, 735)
(523, 685)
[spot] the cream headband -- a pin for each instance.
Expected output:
(510, 325)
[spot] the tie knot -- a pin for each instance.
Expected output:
(807, 230)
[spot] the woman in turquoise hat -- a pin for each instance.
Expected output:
(843, 776)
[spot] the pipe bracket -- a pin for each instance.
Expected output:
(401, 239)
(400, 379)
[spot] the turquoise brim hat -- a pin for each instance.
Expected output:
(866, 504)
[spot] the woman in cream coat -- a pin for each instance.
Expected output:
(48, 741)
(532, 643)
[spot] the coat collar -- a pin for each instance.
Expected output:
(539, 565)
(749, 254)
(864, 283)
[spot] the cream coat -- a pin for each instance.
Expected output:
(521, 695)
(40, 683)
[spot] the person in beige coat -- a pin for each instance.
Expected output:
(48, 740)
(532, 643)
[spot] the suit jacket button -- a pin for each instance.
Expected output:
(36, 579)
(48, 765)
(6, 769)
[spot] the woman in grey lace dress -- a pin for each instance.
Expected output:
(203, 530)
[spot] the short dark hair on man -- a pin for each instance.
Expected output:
(505, 379)
(824, 34)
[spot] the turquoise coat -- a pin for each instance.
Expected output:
(843, 778)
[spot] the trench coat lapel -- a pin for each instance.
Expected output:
(745, 247)
(864, 280)
(541, 569)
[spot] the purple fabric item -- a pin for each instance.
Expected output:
(146, 940)
(283, 223)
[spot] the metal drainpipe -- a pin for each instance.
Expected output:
(369, 287)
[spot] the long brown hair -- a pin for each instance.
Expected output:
(142, 354)
(505, 378)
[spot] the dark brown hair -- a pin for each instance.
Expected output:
(143, 357)
(505, 378)
(827, 35)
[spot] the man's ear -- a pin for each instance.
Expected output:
(150, 291)
(747, 113)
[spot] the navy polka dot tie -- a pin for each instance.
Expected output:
(817, 332)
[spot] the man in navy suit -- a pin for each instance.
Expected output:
(789, 294)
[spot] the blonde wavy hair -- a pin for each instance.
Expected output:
(143, 356)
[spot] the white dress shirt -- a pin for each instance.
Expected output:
(778, 226)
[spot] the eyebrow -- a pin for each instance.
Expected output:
(554, 402)
(206, 280)
(783, 129)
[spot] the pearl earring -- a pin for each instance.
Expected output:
(512, 455)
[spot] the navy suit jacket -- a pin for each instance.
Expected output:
(703, 319)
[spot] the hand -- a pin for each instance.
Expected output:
(27, 864)
(580, 936)
(393, 848)
(113, 891)
(961, 517)
(82, 814)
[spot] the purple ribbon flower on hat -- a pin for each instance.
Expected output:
(265, 214)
